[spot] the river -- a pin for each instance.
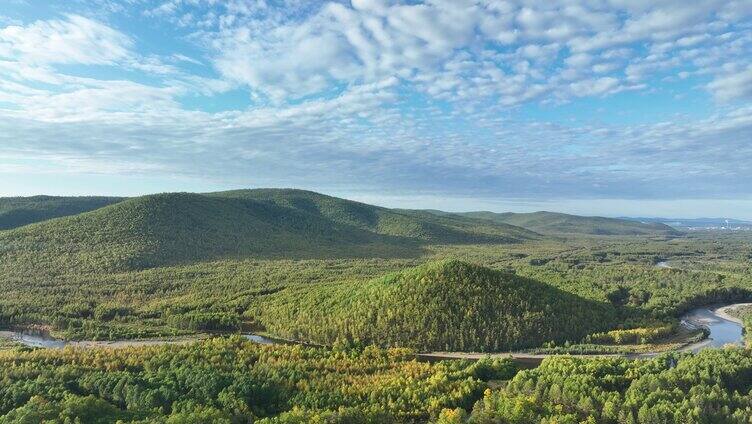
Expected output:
(44, 340)
(33, 339)
(724, 329)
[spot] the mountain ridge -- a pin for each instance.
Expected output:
(19, 211)
(174, 228)
(546, 222)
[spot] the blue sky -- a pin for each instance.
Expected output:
(611, 107)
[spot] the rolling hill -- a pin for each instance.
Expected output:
(446, 305)
(413, 224)
(560, 223)
(176, 228)
(19, 211)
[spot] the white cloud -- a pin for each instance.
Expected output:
(579, 60)
(421, 44)
(343, 45)
(97, 102)
(596, 87)
(75, 39)
(388, 95)
(735, 86)
(289, 61)
(321, 142)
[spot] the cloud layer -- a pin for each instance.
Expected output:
(73, 39)
(524, 99)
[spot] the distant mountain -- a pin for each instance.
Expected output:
(697, 222)
(20, 211)
(413, 224)
(447, 305)
(560, 223)
(175, 228)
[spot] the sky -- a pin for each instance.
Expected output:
(605, 107)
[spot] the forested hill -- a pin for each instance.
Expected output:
(20, 211)
(560, 223)
(446, 305)
(413, 224)
(176, 228)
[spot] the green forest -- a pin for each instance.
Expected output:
(231, 380)
(447, 305)
(359, 293)
(560, 223)
(712, 386)
(20, 211)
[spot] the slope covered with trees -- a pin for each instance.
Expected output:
(560, 223)
(20, 211)
(220, 295)
(710, 387)
(447, 305)
(177, 228)
(230, 380)
(392, 222)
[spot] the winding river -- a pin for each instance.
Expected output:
(44, 340)
(724, 329)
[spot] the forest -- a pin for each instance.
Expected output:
(560, 223)
(712, 386)
(365, 291)
(615, 277)
(19, 211)
(447, 305)
(231, 380)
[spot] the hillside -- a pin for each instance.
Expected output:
(560, 223)
(20, 211)
(446, 305)
(177, 228)
(392, 222)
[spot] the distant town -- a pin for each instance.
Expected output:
(701, 224)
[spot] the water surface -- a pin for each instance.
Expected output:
(255, 338)
(722, 331)
(35, 339)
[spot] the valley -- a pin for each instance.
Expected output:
(722, 330)
(375, 212)
(465, 299)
